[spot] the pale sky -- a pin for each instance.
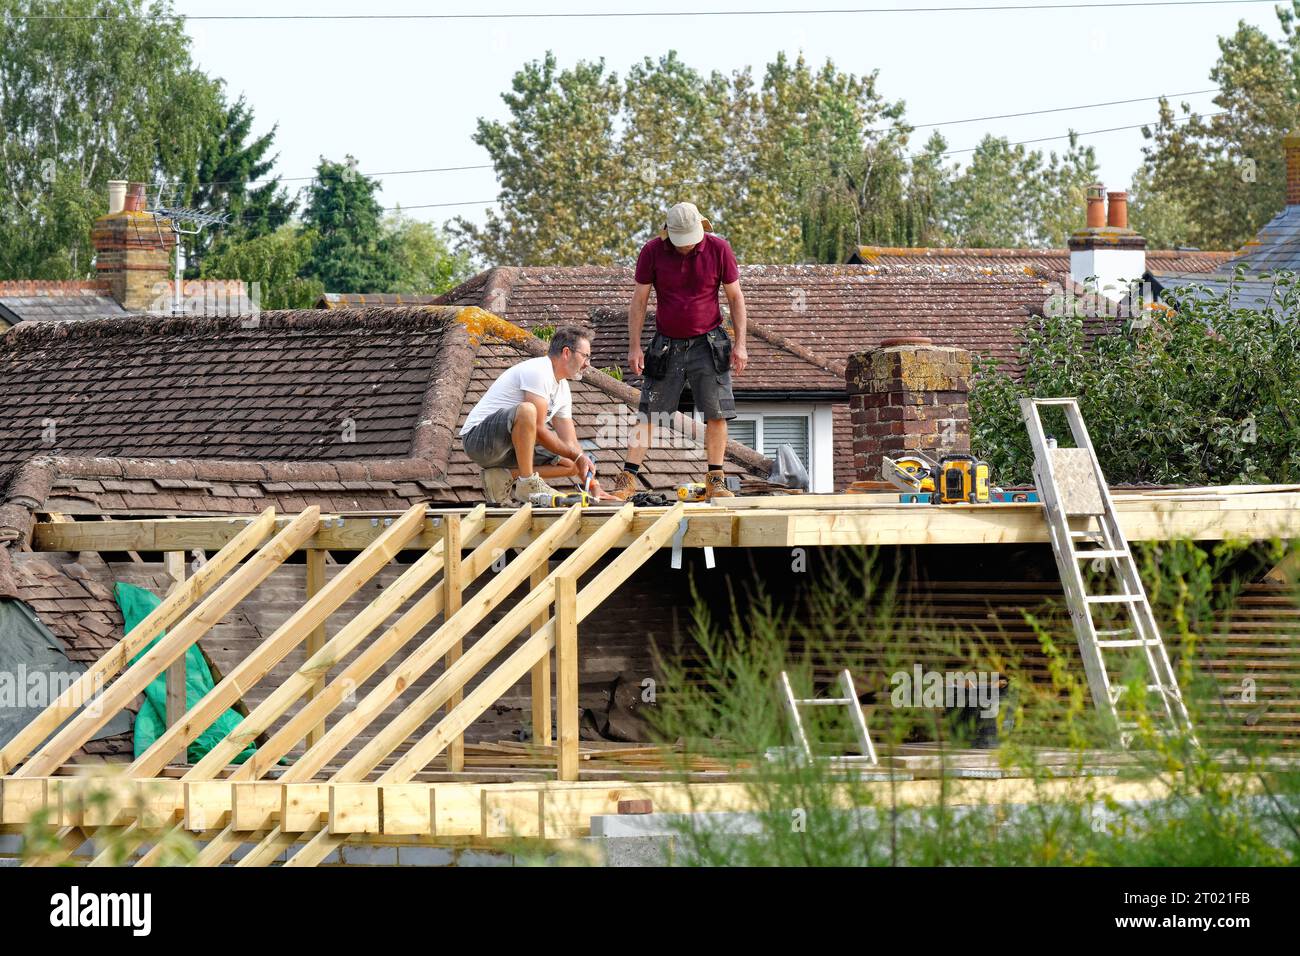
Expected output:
(404, 95)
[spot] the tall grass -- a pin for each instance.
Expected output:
(1067, 795)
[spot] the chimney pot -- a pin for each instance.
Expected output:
(1096, 206)
(116, 196)
(135, 201)
(1117, 210)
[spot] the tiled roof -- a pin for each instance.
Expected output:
(805, 319)
(1276, 246)
(30, 300)
(1051, 260)
(27, 300)
(283, 387)
(193, 416)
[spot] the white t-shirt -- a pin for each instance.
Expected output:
(536, 375)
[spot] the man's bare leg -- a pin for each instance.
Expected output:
(524, 437)
(715, 440)
(639, 442)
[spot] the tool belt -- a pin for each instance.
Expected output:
(658, 356)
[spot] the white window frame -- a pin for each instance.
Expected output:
(821, 453)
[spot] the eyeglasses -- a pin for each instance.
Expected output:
(586, 356)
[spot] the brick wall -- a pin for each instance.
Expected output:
(907, 395)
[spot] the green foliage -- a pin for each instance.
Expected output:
(1202, 805)
(275, 262)
(228, 164)
(614, 372)
(544, 332)
(1009, 197)
(83, 101)
(345, 221)
(1203, 396)
(1213, 181)
(800, 167)
(421, 259)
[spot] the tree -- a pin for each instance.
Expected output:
(1205, 397)
(1214, 180)
(229, 163)
(421, 257)
(275, 262)
(83, 101)
(1010, 197)
(345, 222)
(562, 180)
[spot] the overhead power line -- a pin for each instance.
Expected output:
(882, 129)
(628, 14)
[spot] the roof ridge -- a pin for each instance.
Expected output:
(35, 334)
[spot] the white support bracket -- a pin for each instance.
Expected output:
(678, 537)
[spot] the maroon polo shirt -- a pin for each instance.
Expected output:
(686, 286)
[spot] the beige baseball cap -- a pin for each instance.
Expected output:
(685, 225)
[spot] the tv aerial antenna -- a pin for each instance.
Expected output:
(184, 221)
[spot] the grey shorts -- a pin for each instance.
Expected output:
(703, 362)
(489, 444)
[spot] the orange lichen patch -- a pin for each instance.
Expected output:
(480, 324)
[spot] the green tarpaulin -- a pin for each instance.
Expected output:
(136, 603)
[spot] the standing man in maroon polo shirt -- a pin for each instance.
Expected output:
(685, 265)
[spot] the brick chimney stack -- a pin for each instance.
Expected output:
(907, 395)
(133, 250)
(1291, 147)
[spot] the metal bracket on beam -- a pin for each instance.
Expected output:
(678, 537)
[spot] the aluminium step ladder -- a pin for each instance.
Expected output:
(1071, 486)
(849, 700)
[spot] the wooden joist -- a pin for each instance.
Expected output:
(771, 521)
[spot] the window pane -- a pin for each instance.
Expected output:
(790, 430)
(743, 431)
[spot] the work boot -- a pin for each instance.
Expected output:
(624, 486)
(525, 488)
(715, 485)
(496, 485)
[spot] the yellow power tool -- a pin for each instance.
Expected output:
(952, 479)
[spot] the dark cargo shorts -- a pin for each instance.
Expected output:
(703, 362)
(489, 444)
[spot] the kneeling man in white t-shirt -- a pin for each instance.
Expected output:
(521, 431)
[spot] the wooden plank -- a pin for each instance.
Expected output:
(483, 650)
(258, 663)
(277, 703)
(430, 651)
(174, 565)
(517, 664)
(173, 645)
(207, 805)
(304, 806)
(711, 526)
(316, 639)
(566, 675)
(541, 677)
(354, 808)
(20, 799)
(162, 617)
(457, 809)
(253, 806)
(408, 809)
(451, 604)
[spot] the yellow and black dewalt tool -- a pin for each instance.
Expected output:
(950, 480)
(693, 491)
(542, 500)
(963, 478)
